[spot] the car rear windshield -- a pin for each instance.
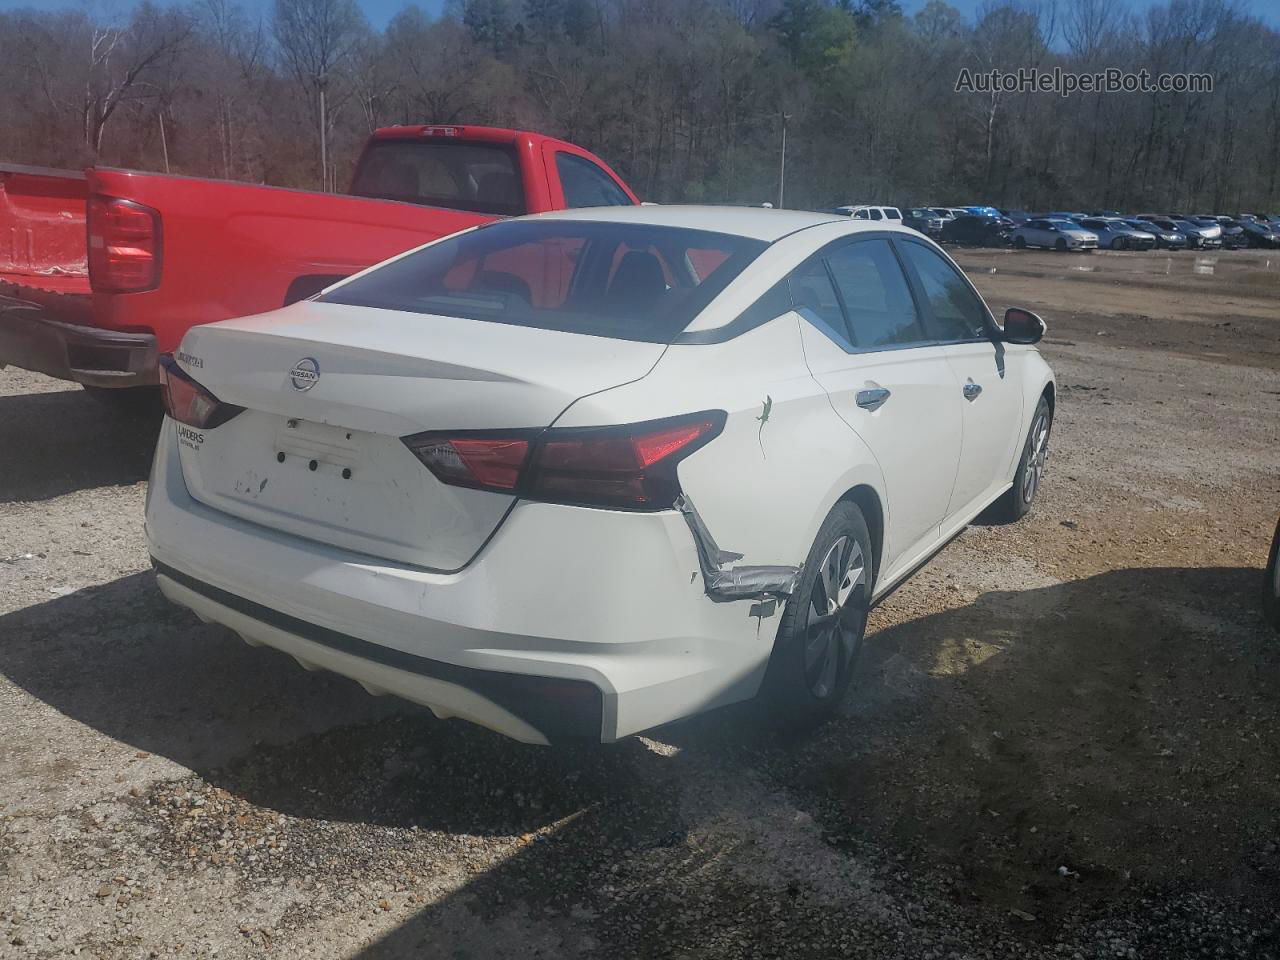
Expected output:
(625, 281)
(460, 175)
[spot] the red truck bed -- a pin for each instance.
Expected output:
(102, 271)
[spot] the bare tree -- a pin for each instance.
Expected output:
(316, 38)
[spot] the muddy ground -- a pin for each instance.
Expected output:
(1062, 740)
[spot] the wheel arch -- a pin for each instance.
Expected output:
(866, 499)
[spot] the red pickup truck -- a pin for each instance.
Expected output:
(102, 271)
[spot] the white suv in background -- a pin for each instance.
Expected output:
(581, 474)
(878, 214)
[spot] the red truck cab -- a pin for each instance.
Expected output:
(102, 271)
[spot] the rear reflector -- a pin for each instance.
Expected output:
(188, 402)
(629, 467)
(124, 245)
(488, 463)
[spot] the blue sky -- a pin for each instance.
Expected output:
(380, 11)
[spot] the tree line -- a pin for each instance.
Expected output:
(687, 99)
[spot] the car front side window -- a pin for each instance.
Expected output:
(956, 313)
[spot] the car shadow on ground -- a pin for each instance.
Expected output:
(1121, 727)
(62, 441)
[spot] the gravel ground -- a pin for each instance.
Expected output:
(1062, 740)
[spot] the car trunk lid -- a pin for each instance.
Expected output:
(329, 390)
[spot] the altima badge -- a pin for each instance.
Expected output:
(305, 373)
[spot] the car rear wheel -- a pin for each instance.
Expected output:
(1020, 243)
(822, 626)
(1017, 500)
(1271, 590)
(1118, 243)
(1061, 244)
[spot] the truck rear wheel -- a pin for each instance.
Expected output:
(140, 402)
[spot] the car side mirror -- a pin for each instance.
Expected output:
(1022, 326)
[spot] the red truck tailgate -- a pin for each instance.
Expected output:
(42, 245)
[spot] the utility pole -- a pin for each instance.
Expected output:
(164, 141)
(324, 141)
(782, 169)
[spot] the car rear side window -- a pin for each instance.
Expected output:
(586, 185)
(625, 281)
(813, 293)
(876, 297)
(956, 312)
(479, 177)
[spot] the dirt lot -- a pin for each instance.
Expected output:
(1063, 739)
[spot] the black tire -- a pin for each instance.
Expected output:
(1016, 501)
(802, 689)
(1020, 242)
(139, 402)
(1119, 243)
(1271, 586)
(1061, 244)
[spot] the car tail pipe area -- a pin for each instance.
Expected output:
(724, 581)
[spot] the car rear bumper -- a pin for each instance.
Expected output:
(33, 340)
(571, 623)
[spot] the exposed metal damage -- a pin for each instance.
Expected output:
(724, 582)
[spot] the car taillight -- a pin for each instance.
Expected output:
(124, 245)
(629, 467)
(188, 402)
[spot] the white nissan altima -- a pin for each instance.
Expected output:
(580, 474)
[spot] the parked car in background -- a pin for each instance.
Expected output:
(1200, 236)
(870, 212)
(1233, 237)
(1016, 216)
(976, 231)
(922, 219)
(1115, 234)
(1054, 234)
(443, 448)
(1107, 214)
(1168, 236)
(1072, 215)
(116, 265)
(944, 212)
(984, 211)
(1257, 233)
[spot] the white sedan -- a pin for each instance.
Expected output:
(581, 474)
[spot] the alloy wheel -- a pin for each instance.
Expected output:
(831, 632)
(1037, 455)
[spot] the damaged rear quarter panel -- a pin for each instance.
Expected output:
(762, 488)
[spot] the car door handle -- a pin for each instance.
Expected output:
(872, 398)
(971, 390)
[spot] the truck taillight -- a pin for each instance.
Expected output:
(628, 467)
(124, 245)
(188, 402)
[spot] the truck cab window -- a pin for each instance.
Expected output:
(586, 185)
(481, 178)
